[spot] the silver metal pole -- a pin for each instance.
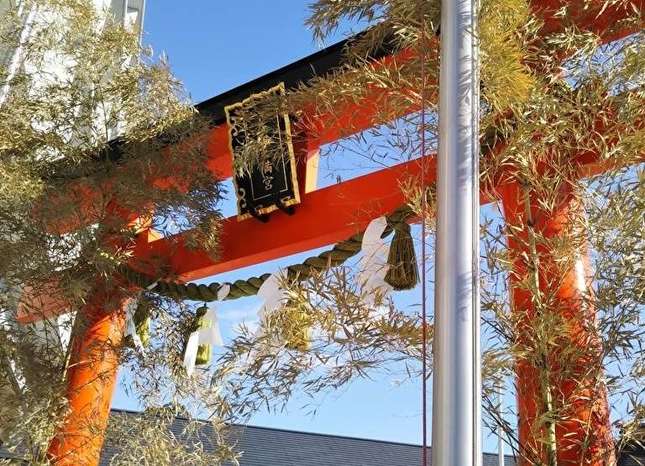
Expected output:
(456, 381)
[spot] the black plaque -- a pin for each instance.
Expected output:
(272, 183)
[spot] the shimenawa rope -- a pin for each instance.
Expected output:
(403, 268)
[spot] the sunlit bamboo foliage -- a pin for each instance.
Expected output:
(88, 119)
(550, 104)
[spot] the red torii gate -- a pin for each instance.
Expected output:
(323, 217)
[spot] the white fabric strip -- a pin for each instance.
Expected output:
(272, 294)
(273, 297)
(65, 323)
(373, 265)
(191, 353)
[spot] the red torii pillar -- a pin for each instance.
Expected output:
(96, 346)
(584, 436)
(91, 379)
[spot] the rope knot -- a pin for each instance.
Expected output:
(403, 273)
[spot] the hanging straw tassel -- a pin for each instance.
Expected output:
(138, 322)
(197, 353)
(204, 333)
(203, 351)
(142, 321)
(403, 273)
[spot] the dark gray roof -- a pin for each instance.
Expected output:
(632, 456)
(262, 446)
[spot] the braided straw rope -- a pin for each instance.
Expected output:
(340, 253)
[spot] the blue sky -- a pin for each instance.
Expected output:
(212, 47)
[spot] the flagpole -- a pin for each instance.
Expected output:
(456, 381)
